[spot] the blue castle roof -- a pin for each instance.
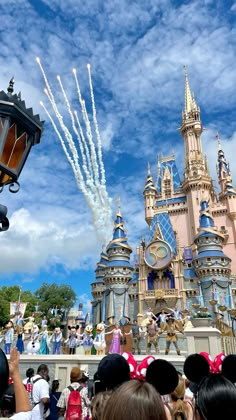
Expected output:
(171, 164)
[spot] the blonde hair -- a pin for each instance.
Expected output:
(98, 404)
(179, 406)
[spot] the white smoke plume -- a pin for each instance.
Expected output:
(83, 153)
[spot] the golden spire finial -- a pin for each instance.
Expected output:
(218, 140)
(188, 99)
(118, 200)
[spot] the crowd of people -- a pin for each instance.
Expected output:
(118, 392)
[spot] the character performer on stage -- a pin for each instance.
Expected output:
(152, 336)
(8, 337)
(44, 341)
(171, 334)
(135, 333)
(56, 339)
(20, 340)
(87, 337)
(115, 342)
(33, 345)
(73, 339)
(99, 340)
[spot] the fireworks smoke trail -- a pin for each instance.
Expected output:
(86, 162)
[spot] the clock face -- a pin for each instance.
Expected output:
(158, 254)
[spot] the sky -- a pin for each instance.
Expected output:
(137, 51)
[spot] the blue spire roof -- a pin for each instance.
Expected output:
(149, 184)
(119, 234)
(223, 166)
(206, 220)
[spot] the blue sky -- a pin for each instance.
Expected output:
(137, 50)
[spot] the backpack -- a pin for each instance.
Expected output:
(74, 404)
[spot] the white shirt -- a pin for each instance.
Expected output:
(40, 390)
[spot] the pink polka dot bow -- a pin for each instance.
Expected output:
(216, 364)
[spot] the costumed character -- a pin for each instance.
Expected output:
(28, 327)
(99, 340)
(44, 321)
(162, 319)
(73, 339)
(87, 339)
(20, 340)
(171, 334)
(148, 315)
(115, 342)
(44, 341)
(178, 317)
(33, 345)
(56, 339)
(135, 333)
(8, 337)
(19, 322)
(152, 336)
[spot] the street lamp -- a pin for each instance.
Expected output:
(20, 129)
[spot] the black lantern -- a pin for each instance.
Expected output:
(20, 129)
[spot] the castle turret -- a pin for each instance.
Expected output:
(150, 195)
(118, 273)
(98, 287)
(211, 265)
(197, 180)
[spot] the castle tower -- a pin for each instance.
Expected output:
(98, 288)
(197, 181)
(212, 266)
(150, 194)
(227, 194)
(118, 272)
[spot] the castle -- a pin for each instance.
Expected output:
(189, 254)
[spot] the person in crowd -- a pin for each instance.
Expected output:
(20, 340)
(19, 400)
(40, 392)
(152, 336)
(54, 398)
(134, 400)
(56, 339)
(215, 399)
(44, 340)
(99, 403)
(28, 383)
(8, 337)
(179, 408)
(171, 335)
(135, 333)
(8, 402)
(115, 342)
(112, 371)
(75, 377)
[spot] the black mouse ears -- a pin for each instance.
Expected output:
(163, 376)
(197, 366)
(4, 373)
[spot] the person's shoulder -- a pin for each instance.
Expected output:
(27, 415)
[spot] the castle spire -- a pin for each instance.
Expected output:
(189, 101)
(223, 172)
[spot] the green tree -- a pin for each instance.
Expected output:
(12, 294)
(53, 295)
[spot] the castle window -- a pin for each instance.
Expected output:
(222, 228)
(208, 259)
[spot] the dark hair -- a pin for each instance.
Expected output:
(134, 400)
(55, 385)
(216, 398)
(8, 402)
(29, 373)
(42, 369)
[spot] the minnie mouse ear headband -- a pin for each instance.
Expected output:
(4, 373)
(137, 372)
(163, 376)
(197, 366)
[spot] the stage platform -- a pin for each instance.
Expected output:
(60, 365)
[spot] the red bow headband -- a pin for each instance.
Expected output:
(216, 364)
(138, 372)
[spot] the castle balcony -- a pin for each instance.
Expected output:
(161, 294)
(190, 293)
